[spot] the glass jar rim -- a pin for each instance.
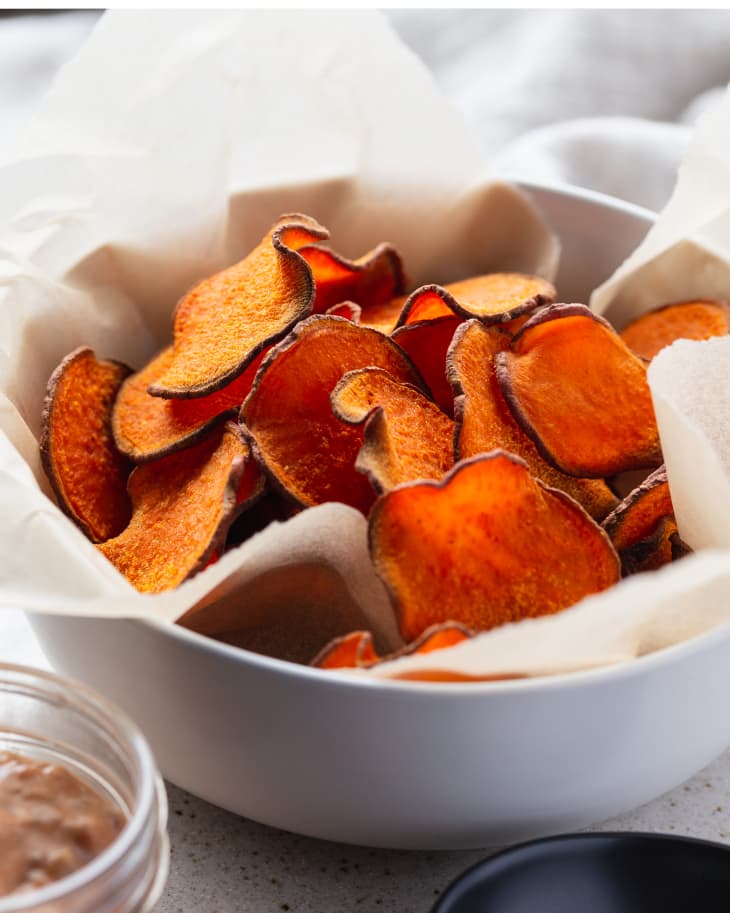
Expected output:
(116, 723)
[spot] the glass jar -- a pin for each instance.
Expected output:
(49, 718)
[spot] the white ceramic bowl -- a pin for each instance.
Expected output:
(418, 765)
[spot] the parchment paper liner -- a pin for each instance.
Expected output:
(123, 192)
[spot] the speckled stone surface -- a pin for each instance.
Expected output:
(224, 864)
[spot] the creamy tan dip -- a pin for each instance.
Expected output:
(51, 823)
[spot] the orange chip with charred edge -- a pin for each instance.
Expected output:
(308, 452)
(183, 505)
(661, 547)
(484, 421)
(354, 650)
(223, 323)
(87, 473)
(347, 309)
(638, 515)
(437, 637)
(651, 332)
(580, 393)
(426, 344)
(488, 545)
(642, 527)
(148, 427)
(492, 298)
(383, 317)
(371, 280)
(407, 436)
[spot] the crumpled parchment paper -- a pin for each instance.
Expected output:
(126, 190)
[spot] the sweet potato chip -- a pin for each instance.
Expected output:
(407, 437)
(430, 302)
(371, 280)
(492, 298)
(148, 427)
(353, 650)
(87, 473)
(640, 512)
(437, 637)
(183, 505)
(426, 344)
(347, 309)
(488, 545)
(308, 452)
(484, 421)
(356, 650)
(383, 317)
(580, 393)
(643, 529)
(685, 320)
(512, 327)
(501, 295)
(252, 482)
(657, 549)
(223, 323)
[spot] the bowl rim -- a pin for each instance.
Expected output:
(474, 874)
(477, 689)
(573, 191)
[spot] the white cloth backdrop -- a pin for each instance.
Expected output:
(601, 99)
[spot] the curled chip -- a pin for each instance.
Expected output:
(484, 421)
(87, 473)
(651, 332)
(347, 309)
(370, 281)
(183, 505)
(661, 547)
(492, 298)
(308, 452)
(383, 317)
(488, 545)
(642, 527)
(637, 516)
(223, 323)
(437, 637)
(148, 427)
(426, 344)
(580, 393)
(407, 437)
(354, 650)
(430, 302)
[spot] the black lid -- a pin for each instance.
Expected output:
(597, 873)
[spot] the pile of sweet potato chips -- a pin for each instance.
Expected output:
(485, 431)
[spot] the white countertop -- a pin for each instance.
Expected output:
(222, 863)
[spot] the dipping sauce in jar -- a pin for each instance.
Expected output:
(51, 823)
(83, 810)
